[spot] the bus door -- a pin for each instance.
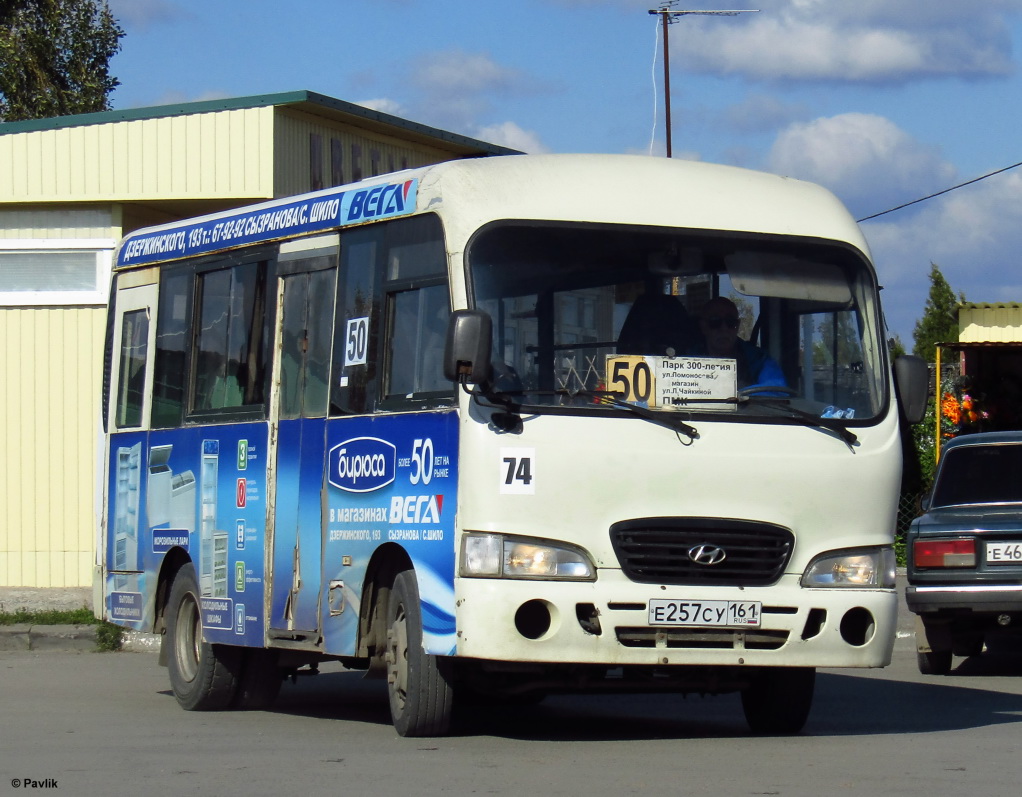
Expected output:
(133, 340)
(298, 408)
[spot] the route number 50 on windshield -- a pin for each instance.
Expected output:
(671, 381)
(632, 377)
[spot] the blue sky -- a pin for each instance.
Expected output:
(881, 101)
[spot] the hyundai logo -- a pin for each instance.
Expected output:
(706, 554)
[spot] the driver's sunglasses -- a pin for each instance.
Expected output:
(716, 322)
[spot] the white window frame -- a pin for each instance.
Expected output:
(103, 249)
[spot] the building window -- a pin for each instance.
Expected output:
(53, 276)
(315, 161)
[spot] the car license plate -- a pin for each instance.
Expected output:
(1004, 553)
(705, 614)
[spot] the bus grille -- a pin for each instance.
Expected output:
(702, 638)
(666, 550)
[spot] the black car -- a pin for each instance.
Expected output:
(965, 552)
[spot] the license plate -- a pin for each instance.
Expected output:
(705, 614)
(1004, 553)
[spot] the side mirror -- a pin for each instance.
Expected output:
(468, 346)
(912, 382)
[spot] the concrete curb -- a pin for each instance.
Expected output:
(69, 638)
(48, 637)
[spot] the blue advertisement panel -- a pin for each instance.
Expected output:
(390, 479)
(346, 486)
(271, 221)
(201, 490)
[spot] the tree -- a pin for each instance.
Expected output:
(54, 57)
(939, 323)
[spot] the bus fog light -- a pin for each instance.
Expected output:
(497, 556)
(862, 568)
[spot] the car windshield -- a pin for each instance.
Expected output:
(710, 323)
(979, 475)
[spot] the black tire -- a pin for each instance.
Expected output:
(418, 684)
(203, 677)
(260, 681)
(934, 662)
(778, 700)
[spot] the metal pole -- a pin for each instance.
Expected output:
(940, 410)
(668, 15)
(667, 81)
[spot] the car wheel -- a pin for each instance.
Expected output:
(418, 684)
(260, 681)
(934, 662)
(778, 699)
(203, 677)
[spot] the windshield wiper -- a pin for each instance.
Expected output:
(662, 417)
(808, 418)
(511, 403)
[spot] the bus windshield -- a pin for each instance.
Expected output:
(708, 322)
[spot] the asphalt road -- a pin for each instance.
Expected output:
(106, 724)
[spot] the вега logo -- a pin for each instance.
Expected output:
(362, 464)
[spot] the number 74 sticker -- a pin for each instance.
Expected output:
(517, 471)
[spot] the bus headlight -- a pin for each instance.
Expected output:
(870, 568)
(499, 556)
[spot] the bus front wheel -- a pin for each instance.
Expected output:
(778, 699)
(418, 685)
(203, 677)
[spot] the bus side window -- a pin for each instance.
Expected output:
(416, 341)
(131, 376)
(172, 323)
(230, 356)
(399, 267)
(418, 307)
(305, 344)
(353, 390)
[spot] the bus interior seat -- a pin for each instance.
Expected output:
(655, 324)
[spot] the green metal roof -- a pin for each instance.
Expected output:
(358, 113)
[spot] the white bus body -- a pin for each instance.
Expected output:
(598, 502)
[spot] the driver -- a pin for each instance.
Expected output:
(719, 321)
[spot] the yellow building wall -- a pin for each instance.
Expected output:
(990, 323)
(219, 154)
(376, 154)
(51, 361)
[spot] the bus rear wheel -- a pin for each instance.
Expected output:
(418, 684)
(203, 677)
(778, 699)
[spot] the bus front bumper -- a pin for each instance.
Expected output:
(607, 622)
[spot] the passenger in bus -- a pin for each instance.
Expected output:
(719, 322)
(657, 324)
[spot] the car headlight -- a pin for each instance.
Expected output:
(500, 556)
(872, 568)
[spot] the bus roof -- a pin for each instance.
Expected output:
(624, 189)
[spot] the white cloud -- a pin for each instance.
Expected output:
(509, 134)
(144, 13)
(876, 41)
(458, 90)
(456, 73)
(867, 160)
(454, 89)
(973, 234)
(384, 105)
